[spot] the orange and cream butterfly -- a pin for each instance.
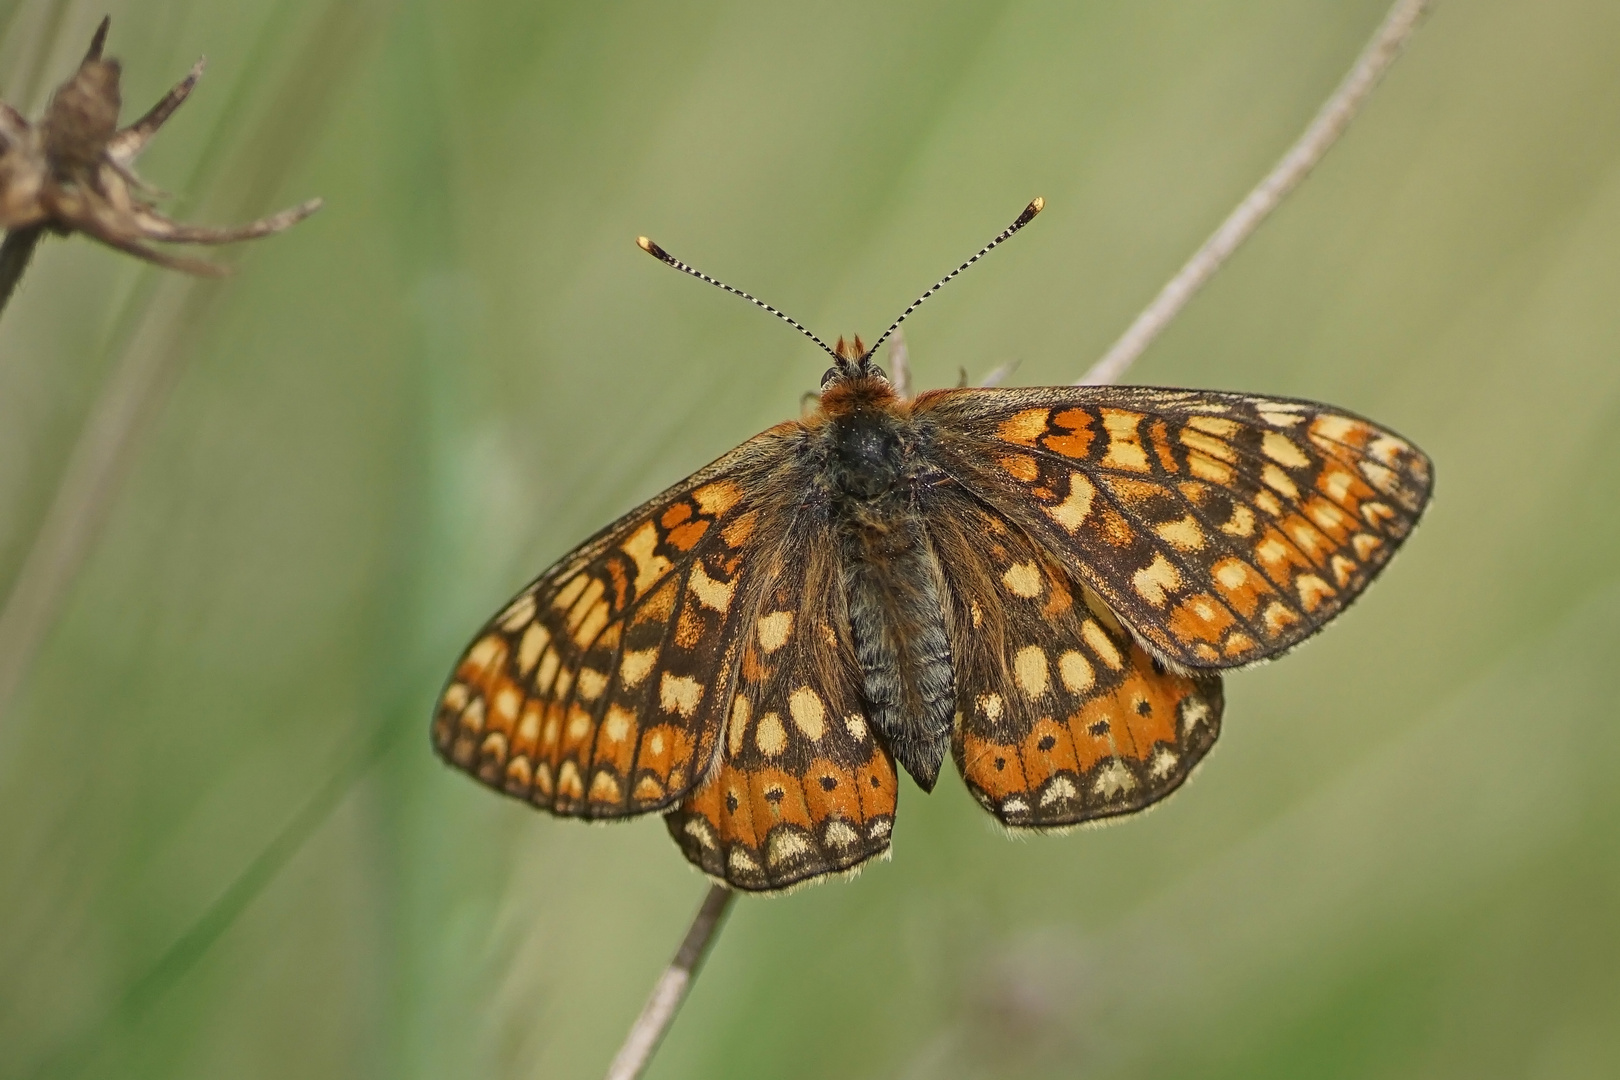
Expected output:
(1046, 581)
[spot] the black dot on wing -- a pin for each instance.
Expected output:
(1144, 707)
(1047, 742)
(1099, 729)
(828, 783)
(876, 782)
(731, 801)
(774, 794)
(1000, 763)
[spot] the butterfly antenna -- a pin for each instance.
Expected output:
(665, 257)
(1025, 218)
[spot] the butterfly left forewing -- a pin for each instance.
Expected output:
(1061, 717)
(1221, 528)
(803, 789)
(595, 693)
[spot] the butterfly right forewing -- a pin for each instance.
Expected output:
(1221, 528)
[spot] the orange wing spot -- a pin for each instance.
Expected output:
(1159, 434)
(832, 791)
(1308, 539)
(642, 547)
(1207, 445)
(775, 797)
(543, 784)
(615, 745)
(472, 717)
(687, 536)
(1020, 467)
(505, 700)
(648, 790)
(1240, 585)
(658, 607)
(1023, 428)
(1280, 559)
(1268, 503)
(1328, 517)
(676, 514)
(577, 730)
(736, 533)
(605, 787)
(1096, 732)
(877, 785)
(716, 498)
(1077, 443)
(689, 628)
(570, 592)
(1238, 644)
(1058, 597)
(1114, 528)
(1201, 618)
(1343, 570)
(664, 749)
(1149, 707)
(993, 768)
(1047, 750)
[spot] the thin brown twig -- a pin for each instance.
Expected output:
(1323, 132)
(670, 990)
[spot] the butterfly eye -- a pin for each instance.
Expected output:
(879, 372)
(827, 378)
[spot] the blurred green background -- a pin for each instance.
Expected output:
(227, 849)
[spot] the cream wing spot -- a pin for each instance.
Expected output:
(769, 735)
(1156, 581)
(990, 705)
(641, 546)
(679, 694)
(616, 726)
(1030, 670)
(1101, 644)
(535, 639)
(1283, 450)
(1183, 534)
(1076, 672)
(1022, 579)
(1072, 512)
(517, 613)
(774, 630)
(809, 713)
(635, 666)
(738, 728)
(710, 593)
(855, 724)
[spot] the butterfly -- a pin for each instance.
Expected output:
(1046, 582)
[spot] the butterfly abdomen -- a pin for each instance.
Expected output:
(871, 470)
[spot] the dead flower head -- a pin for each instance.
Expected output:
(73, 171)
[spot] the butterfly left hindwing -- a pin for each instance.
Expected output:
(803, 789)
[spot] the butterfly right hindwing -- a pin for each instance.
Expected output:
(1061, 717)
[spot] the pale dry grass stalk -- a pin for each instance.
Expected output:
(1330, 122)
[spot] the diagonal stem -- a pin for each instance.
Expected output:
(672, 986)
(1323, 132)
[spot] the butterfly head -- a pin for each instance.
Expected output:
(854, 361)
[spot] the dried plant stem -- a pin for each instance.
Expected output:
(15, 254)
(1322, 133)
(670, 990)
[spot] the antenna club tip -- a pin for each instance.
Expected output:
(646, 245)
(1036, 205)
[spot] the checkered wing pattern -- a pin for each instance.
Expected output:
(600, 690)
(1221, 528)
(1061, 717)
(803, 789)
